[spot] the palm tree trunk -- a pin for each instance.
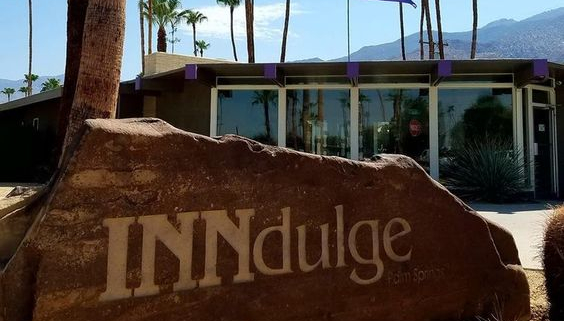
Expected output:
(306, 117)
(231, 10)
(267, 120)
(440, 29)
(150, 26)
(161, 39)
(429, 30)
(285, 33)
(194, 38)
(76, 14)
(421, 45)
(142, 29)
(402, 32)
(29, 80)
(474, 29)
(249, 15)
(98, 83)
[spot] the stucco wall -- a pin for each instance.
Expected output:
(161, 62)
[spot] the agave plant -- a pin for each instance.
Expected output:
(489, 170)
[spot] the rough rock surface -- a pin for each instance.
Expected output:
(148, 222)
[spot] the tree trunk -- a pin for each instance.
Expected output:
(421, 45)
(29, 80)
(285, 33)
(142, 29)
(150, 26)
(440, 29)
(249, 15)
(429, 30)
(194, 39)
(76, 14)
(402, 32)
(474, 29)
(306, 117)
(231, 9)
(100, 65)
(161, 39)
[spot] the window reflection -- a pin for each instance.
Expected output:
(468, 116)
(318, 121)
(249, 113)
(395, 121)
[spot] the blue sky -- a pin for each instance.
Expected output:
(317, 29)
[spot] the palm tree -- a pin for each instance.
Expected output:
(193, 18)
(177, 16)
(250, 17)
(142, 29)
(76, 14)
(23, 90)
(265, 98)
(9, 92)
(103, 38)
(29, 80)
(202, 46)
(163, 13)
(440, 29)
(402, 32)
(474, 29)
(285, 33)
(429, 29)
(232, 4)
(150, 25)
(50, 84)
(421, 45)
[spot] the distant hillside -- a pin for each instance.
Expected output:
(540, 36)
(16, 84)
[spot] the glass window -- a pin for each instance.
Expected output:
(395, 121)
(249, 113)
(318, 121)
(467, 116)
(541, 97)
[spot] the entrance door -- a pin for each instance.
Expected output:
(543, 153)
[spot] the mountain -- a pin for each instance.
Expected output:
(17, 84)
(540, 36)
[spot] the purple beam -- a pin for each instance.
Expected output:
(138, 82)
(270, 71)
(191, 72)
(353, 70)
(444, 69)
(540, 69)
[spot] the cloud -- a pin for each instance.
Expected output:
(269, 21)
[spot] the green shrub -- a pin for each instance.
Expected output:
(553, 261)
(488, 170)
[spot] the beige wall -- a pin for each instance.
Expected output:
(161, 62)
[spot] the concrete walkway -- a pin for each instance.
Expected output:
(525, 221)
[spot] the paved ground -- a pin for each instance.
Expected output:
(525, 221)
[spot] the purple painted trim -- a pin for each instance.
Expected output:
(353, 70)
(540, 68)
(191, 72)
(270, 71)
(138, 82)
(444, 68)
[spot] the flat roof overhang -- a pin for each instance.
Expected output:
(524, 71)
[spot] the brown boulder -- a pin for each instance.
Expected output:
(149, 222)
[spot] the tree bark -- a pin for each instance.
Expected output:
(474, 29)
(440, 29)
(249, 15)
(402, 32)
(231, 9)
(97, 85)
(76, 14)
(194, 39)
(421, 45)
(29, 80)
(142, 29)
(150, 26)
(161, 39)
(285, 33)
(429, 30)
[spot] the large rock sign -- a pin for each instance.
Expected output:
(149, 222)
